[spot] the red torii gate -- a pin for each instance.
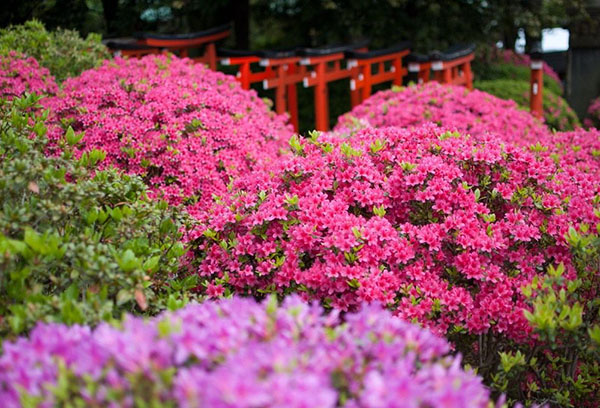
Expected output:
(363, 76)
(453, 66)
(419, 65)
(326, 67)
(182, 43)
(129, 47)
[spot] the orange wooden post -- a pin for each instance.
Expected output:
(246, 76)
(321, 98)
(419, 67)
(537, 84)
(363, 77)
(326, 63)
(424, 72)
(287, 73)
(182, 43)
(453, 66)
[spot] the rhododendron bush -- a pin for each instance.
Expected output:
(237, 353)
(20, 74)
(453, 107)
(445, 229)
(182, 127)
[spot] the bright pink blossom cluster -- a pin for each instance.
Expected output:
(184, 128)
(452, 107)
(579, 148)
(20, 74)
(445, 229)
(593, 114)
(237, 353)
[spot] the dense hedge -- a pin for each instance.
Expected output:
(62, 51)
(77, 245)
(444, 229)
(20, 74)
(558, 114)
(186, 130)
(452, 107)
(237, 353)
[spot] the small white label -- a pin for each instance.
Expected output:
(265, 84)
(286, 67)
(392, 69)
(305, 82)
(238, 75)
(352, 85)
(361, 77)
(413, 67)
(352, 64)
(313, 74)
(264, 63)
(118, 53)
(437, 65)
(305, 61)
(535, 88)
(537, 64)
(225, 61)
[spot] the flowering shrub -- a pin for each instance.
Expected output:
(593, 114)
(185, 129)
(493, 63)
(442, 228)
(238, 353)
(474, 112)
(579, 148)
(557, 112)
(78, 245)
(19, 74)
(63, 52)
(509, 56)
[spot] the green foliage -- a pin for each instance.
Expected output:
(557, 113)
(505, 71)
(563, 367)
(62, 51)
(78, 245)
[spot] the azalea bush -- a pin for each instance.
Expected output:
(78, 245)
(558, 114)
(453, 107)
(239, 353)
(63, 52)
(445, 229)
(20, 74)
(186, 130)
(497, 64)
(593, 114)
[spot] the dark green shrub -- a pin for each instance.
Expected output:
(78, 245)
(557, 112)
(505, 71)
(62, 51)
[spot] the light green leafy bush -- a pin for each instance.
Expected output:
(63, 52)
(562, 368)
(78, 245)
(557, 112)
